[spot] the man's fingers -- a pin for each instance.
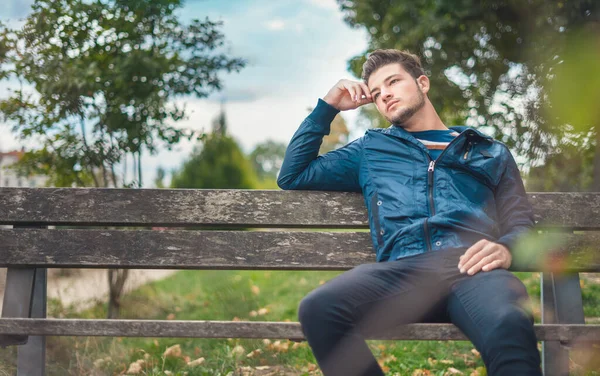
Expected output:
(351, 91)
(492, 265)
(482, 263)
(472, 255)
(475, 248)
(365, 90)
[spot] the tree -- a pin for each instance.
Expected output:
(217, 163)
(266, 158)
(492, 63)
(99, 79)
(338, 135)
(160, 177)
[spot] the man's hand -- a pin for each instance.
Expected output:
(484, 255)
(348, 95)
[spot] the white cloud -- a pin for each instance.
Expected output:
(275, 24)
(325, 4)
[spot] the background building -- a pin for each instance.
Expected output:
(10, 178)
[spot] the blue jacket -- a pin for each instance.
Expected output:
(472, 191)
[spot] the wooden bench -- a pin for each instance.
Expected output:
(79, 241)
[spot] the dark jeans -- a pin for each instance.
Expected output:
(489, 307)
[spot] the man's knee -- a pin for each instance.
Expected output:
(322, 305)
(313, 307)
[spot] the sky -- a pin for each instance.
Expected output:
(296, 51)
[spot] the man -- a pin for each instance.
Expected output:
(445, 205)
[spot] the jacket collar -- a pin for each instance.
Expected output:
(402, 133)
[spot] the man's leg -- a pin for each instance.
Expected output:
(370, 298)
(491, 308)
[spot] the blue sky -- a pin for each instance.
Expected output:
(296, 50)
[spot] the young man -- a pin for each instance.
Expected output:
(445, 205)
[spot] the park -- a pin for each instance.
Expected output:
(144, 142)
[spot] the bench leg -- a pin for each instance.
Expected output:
(31, 359)
(561, 304)
(18, 295)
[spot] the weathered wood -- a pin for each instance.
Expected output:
(555, 357)
(31, 357)
(254, 329)
(279, 250)
(181, 207)
(241, 208)
(18, 296)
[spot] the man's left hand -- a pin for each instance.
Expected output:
(484, 255)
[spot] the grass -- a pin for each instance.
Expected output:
(244, 295)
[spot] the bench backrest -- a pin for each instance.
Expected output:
(221, 218)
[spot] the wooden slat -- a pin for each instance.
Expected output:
(254, 329)
(278, 250)
(238, 208)
(181, 207)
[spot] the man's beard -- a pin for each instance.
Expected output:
(407, 113)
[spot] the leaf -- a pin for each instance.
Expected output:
(173, 352)
(135, 367)
(195, 362)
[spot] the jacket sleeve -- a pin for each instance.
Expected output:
(302, 168)
(515, 214)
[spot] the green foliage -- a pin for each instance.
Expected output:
(338, 135)
(266, 159)
(568, 169)
(102, 78)
(218, 163)
(160, 177)
(492, 63)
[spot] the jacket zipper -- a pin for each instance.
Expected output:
(430, 171)
(468, 150)
(430, 197)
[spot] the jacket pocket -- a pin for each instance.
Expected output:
(375, 204)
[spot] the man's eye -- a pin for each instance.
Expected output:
(376, 96)
(393, 81)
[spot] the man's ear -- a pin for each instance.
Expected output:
(423, 83)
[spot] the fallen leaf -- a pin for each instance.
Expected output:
(195, 362)
(453, 371)
(171, 316)
(172, 352)
(135, 367)
(476, 353)
(238, 350)
(98, 363)
(254, 353)
(263, 311)
(255, 289)
(421, 372)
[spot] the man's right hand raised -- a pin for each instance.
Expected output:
(348, 95)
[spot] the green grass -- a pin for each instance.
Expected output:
(243, 295)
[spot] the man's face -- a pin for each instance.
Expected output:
(395, 93)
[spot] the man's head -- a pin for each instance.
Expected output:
(397, 83)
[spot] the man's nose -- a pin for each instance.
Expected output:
(386, 95)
